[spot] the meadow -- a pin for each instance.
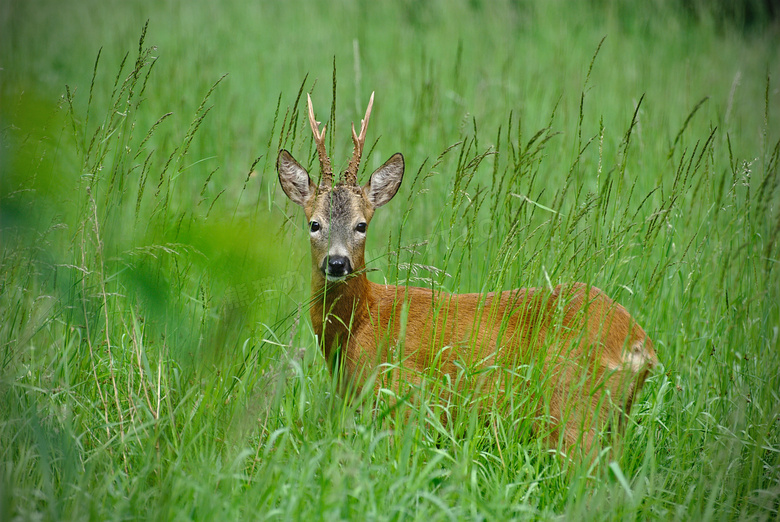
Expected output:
(157, 360)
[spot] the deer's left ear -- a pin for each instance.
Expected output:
(385, 181)
(294, 179)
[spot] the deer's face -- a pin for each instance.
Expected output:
(338, 216)
(338, 222)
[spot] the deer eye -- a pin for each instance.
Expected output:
(314, 226)
(361, 227)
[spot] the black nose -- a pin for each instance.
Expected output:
(337, 266)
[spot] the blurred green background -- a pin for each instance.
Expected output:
(156, 356)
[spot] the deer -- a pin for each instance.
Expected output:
(592, 357)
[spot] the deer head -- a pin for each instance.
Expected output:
(339, 214)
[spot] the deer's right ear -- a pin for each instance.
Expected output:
(294, 179)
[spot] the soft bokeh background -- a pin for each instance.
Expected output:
(156, 357)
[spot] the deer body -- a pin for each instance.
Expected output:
(592, 355)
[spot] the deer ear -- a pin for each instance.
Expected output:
(385, 181)
(294, 179)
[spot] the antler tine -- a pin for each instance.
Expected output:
(319, 139)
(359, 141)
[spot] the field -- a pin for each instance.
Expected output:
(157, 360)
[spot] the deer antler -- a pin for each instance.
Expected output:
(319, 139)
(350, 176)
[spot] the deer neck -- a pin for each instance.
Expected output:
(340, 307)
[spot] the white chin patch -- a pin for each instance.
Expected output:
(333, 279)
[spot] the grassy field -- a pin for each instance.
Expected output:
(156, 356)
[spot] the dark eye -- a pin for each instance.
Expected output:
(314, 226)
(361, 227)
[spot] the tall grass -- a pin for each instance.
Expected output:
(156, 356)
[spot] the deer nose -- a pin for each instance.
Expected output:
(337, 266)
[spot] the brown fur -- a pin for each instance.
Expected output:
(573, 333)
(591, 356)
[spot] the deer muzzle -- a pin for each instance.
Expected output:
(336, 268)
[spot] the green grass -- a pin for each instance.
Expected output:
(156, 356)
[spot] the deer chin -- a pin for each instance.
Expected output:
(335, 279)
(332, 278)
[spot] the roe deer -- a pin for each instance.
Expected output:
(592, 356)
